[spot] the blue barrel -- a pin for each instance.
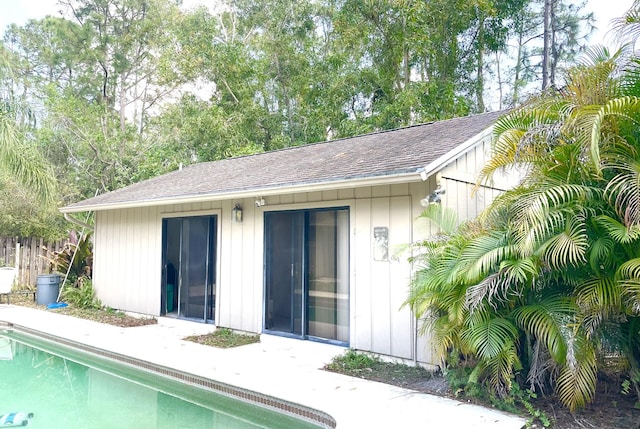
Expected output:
(47, 289)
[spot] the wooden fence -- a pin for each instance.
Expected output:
(29, 255)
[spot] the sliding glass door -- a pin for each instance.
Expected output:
(189, 262)
(307, 273)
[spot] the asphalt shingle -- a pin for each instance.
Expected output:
(376, 155)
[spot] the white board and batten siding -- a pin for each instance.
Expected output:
(459, 179)
(128, 255)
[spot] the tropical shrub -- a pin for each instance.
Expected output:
(81, 295)
(544, 289)
(75, 260)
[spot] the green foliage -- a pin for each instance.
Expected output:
(26, 215)
(224, 338)
(352, 360)
(545, 286)
(130, 89)
(81, 295)
(75, 259)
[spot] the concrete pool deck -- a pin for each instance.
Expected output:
(280, 367)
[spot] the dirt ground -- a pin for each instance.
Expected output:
(109, 317)
(610, 410)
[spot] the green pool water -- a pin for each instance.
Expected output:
(67, 388)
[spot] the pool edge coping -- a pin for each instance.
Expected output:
(293, 409)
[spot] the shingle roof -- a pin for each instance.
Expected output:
(377, 155)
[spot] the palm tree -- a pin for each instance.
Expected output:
(18, 157)
(549, 278)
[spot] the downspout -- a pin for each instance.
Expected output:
(72, 219)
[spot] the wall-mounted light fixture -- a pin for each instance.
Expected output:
(236, 213)
(260, 202)
(433, 198)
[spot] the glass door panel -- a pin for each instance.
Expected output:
(284, 277)
(193, 267)
(307, 266)
(328, 295)
(189, 267)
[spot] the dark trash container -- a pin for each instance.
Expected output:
(48, 287)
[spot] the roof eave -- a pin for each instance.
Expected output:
(441, 162)
(405, 177)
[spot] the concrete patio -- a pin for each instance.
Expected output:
(283, 368)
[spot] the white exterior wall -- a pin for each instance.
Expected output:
(128, 255)
(459, 181)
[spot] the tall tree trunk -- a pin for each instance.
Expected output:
(518, 68)
(480, 66)
(546, 49)
(405, 54)
(499, 73)
(553, 61)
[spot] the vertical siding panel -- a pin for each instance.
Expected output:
(286, 199)
(363, 192)
(238, 306)
(227, 276)
(346, 194)
(400, 189)
(135, 280)
(399, 277)
(361, 289)
(314, 196)
(380, 291)
(151, 236)
(250, 304)
(126, 256)
(300, 198)
(103, 255)
(258, 273)
(329, 195)
(119, 293)
(381, 191)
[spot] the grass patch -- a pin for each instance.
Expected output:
(224, 338)
(369, 367)
(106, 315)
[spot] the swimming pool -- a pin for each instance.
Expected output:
(74, 386)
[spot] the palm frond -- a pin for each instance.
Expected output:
(601, 253)
(598, 298)
(624, 190)
(569, 247)
(617, 231)
(444, 218)
(483, 254)
(545, 321)
(576, 383)
(626, 108)
(24, 161)
(488, 336)
(628, 278)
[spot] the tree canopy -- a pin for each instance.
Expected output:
(123, 90)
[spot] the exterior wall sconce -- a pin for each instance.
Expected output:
(433, 198)
(260, 202)
(236, 213)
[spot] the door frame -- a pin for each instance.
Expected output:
(305, 209)
(217, 213)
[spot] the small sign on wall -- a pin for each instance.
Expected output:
(380, 243)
